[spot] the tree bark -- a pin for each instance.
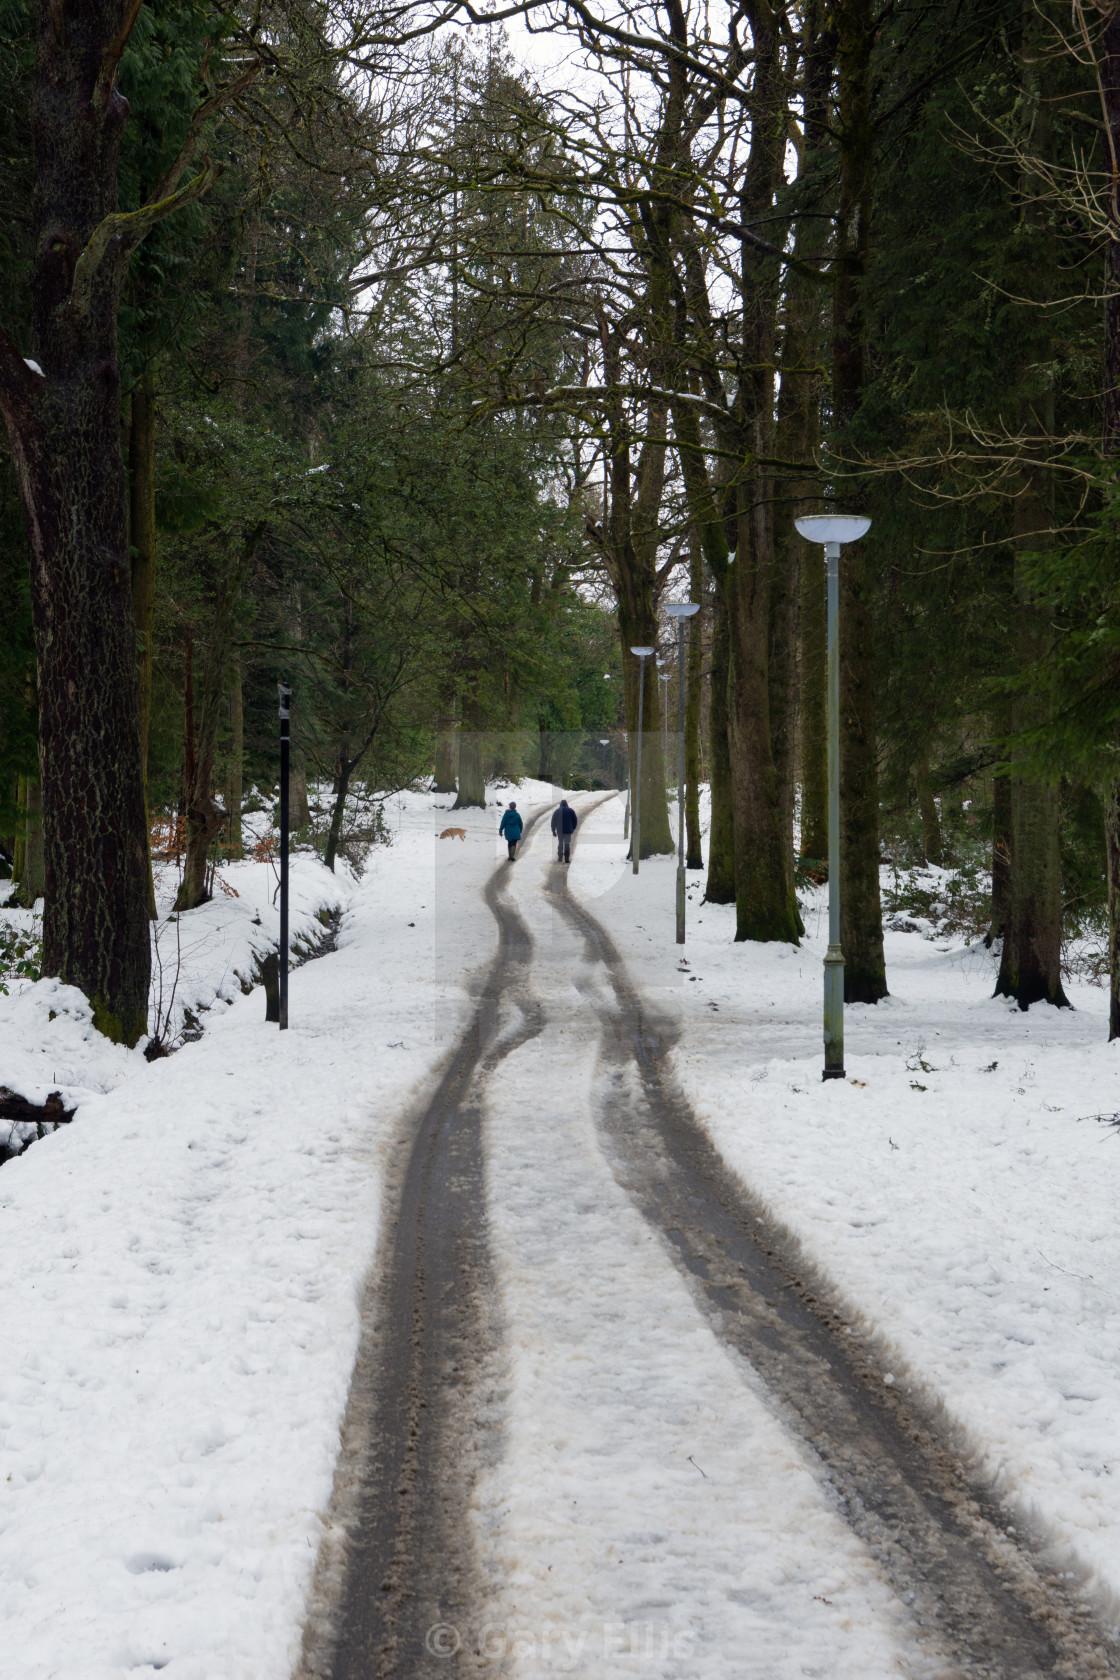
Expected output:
(338, 811)
(654, 806)
(32, 869)
(142, 541)
(205, 815)
(720, 885)
(236, 794)
(765, 900)
(1001, 859)
(1112, 850)
(447, 752)
(1030, 969)
(1110, 85)
(299, 809)
(801, 387)
(694, 684)
(861, 921)
(927, 809)
(64, 427)
(813, 647)
(472, 784)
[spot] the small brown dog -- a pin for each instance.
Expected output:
(454, 834)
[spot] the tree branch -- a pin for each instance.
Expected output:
(127, 228)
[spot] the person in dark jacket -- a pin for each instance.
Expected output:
(511, 827)
(564, 822)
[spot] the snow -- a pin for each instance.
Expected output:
(200, 961)
(185, 1265)
(958, 1191)
(648, 1507)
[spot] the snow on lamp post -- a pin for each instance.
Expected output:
(833, 530)
(681, 611)
(641, 654)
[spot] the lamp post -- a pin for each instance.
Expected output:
(681, 611)
(285, 744)
(833, 530)
(641, 654)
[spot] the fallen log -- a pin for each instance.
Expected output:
(19, 1108)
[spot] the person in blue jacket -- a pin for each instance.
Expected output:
(564, 822)
(511, 827)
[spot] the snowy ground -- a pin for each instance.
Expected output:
(184, 1264)
(959, 1190)
(183, 1267)
(649, 1514)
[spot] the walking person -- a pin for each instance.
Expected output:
(511, 827)
(564, 822)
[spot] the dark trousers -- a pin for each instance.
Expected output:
(512, 844)
(563, 848)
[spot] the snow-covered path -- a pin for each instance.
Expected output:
(668, 1464)
(649, 1512)
(627, 1487)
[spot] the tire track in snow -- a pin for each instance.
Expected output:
(397, 1563)
(993, 1606)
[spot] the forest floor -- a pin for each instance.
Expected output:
(193, 1267)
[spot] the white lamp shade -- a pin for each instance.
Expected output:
(833, 527)
(682, 609)
(642, 653)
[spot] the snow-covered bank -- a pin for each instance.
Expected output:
(183, 1267)
(959, 1189)
(200, 961)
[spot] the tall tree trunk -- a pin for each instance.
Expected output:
(861, 920)
(765, 900)
(447, 751)
(1001, 859)
(205, 816)
(720, 885)
(298, 806)
(813, 649)
(927, 808)
(1030, 969)
(142, 535)
(19, 839)
(783, 675)
(1112, 852)
(799, 422)
(694, 687)
(338, 811)
(143, 555)
(1110, 86)
(472, 783)
(236, 793)
(32, 875)
(242, 347)
(63, 419)
(656, 834)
